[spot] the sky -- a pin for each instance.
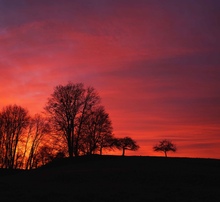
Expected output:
(154, 63)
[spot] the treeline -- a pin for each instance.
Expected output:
(73, 123)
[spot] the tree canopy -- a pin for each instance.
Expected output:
(165, 146)
(13, 122)
(126, 143)
(77, 115)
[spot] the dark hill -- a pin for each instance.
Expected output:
(116, 178)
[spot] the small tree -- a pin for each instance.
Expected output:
(165, 146)
(126, 143)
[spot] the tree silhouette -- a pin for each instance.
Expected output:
(126, 143)
(70, 108)
(14, 120)
(38, 128)
(165, 146)
(97, 132)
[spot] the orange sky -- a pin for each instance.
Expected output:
(155, 64)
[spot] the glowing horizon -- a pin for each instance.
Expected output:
(155, 65)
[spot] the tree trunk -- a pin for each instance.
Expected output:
(165, 152)
(70, 149)
(123, 152)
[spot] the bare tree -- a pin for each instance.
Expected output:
(106, 142)
(39, 127)
(97, 131)
(68, 107)
(90, 103)
(126, 143)
(165, 146)
(14, 120)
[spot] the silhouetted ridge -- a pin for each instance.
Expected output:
(116, 178)
(132, 162)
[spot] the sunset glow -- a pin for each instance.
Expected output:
(155, 64)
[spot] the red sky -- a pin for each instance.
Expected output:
(155, 64)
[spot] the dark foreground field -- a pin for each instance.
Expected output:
(112, 178)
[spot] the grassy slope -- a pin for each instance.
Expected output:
(112, 178)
